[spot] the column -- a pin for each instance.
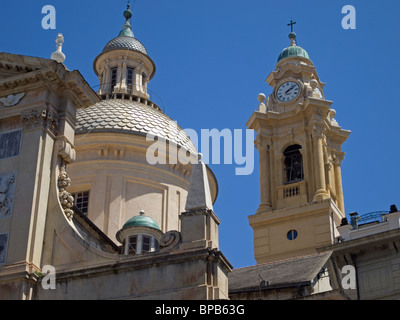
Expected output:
(338, 181)
(107, 79)
(265, 175)
(319, 164)
(123, 87)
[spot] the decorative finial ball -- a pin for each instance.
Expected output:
(128, 13)
(261, 97)
(142, 212)
(199, 156)
(60, 38)
(292, 35)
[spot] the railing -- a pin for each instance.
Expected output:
(376, 216)
(289, 192)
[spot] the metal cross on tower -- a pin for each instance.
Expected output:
(291, 24)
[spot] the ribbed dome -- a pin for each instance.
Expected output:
(117, 115)
(125, 43)
(141, 221)
(293, 51)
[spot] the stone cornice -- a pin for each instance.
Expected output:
(28, 73)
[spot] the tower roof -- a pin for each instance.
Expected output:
(125, 41)
(141, 221)
(293, 50)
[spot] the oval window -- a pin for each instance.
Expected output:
(292, 234)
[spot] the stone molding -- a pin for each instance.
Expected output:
(42, 117)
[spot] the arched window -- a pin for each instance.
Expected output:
(293, 164)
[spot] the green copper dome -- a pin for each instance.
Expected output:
(141, 221)
(293, 50)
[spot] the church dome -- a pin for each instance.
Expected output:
(293, 50)
(125, 116)
(141, 221)
(125, 43)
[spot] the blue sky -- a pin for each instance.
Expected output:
(212, 60)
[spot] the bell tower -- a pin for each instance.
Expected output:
(299, 144)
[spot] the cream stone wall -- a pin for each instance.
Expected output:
(40, 113)
(114, 169)
(376, 261)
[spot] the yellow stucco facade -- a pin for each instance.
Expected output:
(299, 144)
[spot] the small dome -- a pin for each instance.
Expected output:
(141, 221)
(125, 43)
(293, 51)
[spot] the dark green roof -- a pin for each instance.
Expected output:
(293, 51)
(141, 221)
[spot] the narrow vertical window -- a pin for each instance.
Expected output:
(293, 164)
(132, 242)
(146, 244)
(81, 200)
(129, 79)
(113, 78)
(143, 80)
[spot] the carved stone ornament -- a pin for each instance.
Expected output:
(170, 240)
(262, 143)
(7, 189)
(66, 200)
(42, 117)
(12, 100)
(66, 150)
(318, 131)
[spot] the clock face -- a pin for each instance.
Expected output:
(288, 91)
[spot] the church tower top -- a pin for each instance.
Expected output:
(293, 50)
(124, 66)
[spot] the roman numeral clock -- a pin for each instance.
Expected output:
(288, 91)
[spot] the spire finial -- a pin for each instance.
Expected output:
(292, 35)
(127, 29)
(128, 12)
(58, 55)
